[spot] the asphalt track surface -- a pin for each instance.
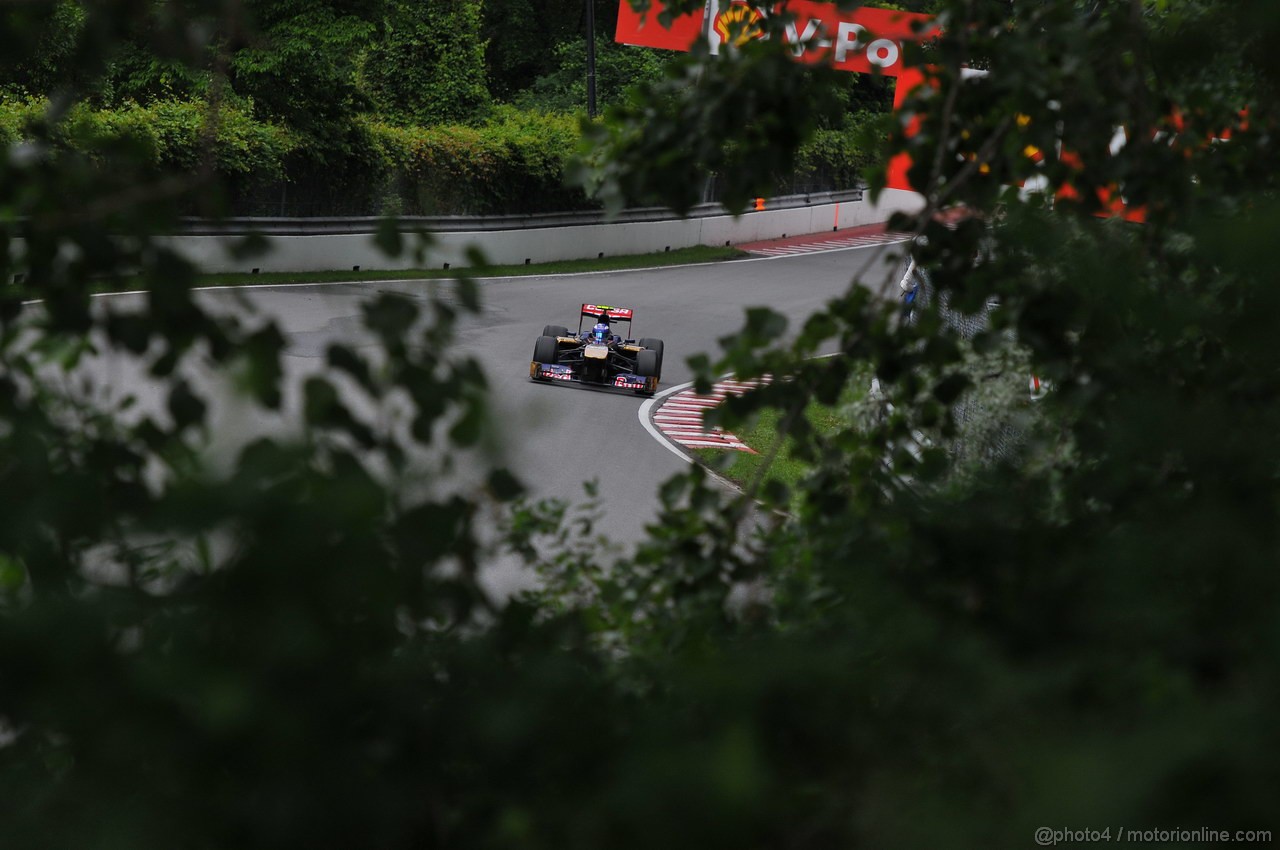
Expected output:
(555, 437)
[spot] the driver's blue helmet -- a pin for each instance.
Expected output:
(600, 333)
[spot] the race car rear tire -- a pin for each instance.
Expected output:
(555, 330)
(653, 345)
(647, 364)
(546, 350)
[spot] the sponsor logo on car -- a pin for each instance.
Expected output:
(608, 311)
(555, 372)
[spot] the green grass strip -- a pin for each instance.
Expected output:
(682, 256)
(679, 257)
(744, 468)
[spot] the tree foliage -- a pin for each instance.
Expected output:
(40, 40)
(427, 63)
(299, 67)
(741, 118)
(323, 74)
(514, 162)
(1081, 630)
(163, 135)
(564, 87)
(523, 36)
(289, 646)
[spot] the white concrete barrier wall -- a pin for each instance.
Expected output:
(339, 252)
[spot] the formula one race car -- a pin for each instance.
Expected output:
(598, 355)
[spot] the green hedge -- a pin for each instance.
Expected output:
(512, 163)
(837, 158)
(164, 135)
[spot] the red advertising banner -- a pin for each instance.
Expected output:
(645, 31)
(861, 41)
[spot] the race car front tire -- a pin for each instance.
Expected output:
(648, 364)
(546, 350)
(555, 330)
(653, 345)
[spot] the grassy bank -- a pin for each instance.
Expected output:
(774, 459)
(683, 256)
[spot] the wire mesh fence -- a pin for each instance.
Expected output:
(317, 193)
(989, 415)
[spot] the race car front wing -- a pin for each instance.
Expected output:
(560, 372)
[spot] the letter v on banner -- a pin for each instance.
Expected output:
(862, 41)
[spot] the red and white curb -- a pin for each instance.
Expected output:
(816, 246)
(678, 417)
(864, 236)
